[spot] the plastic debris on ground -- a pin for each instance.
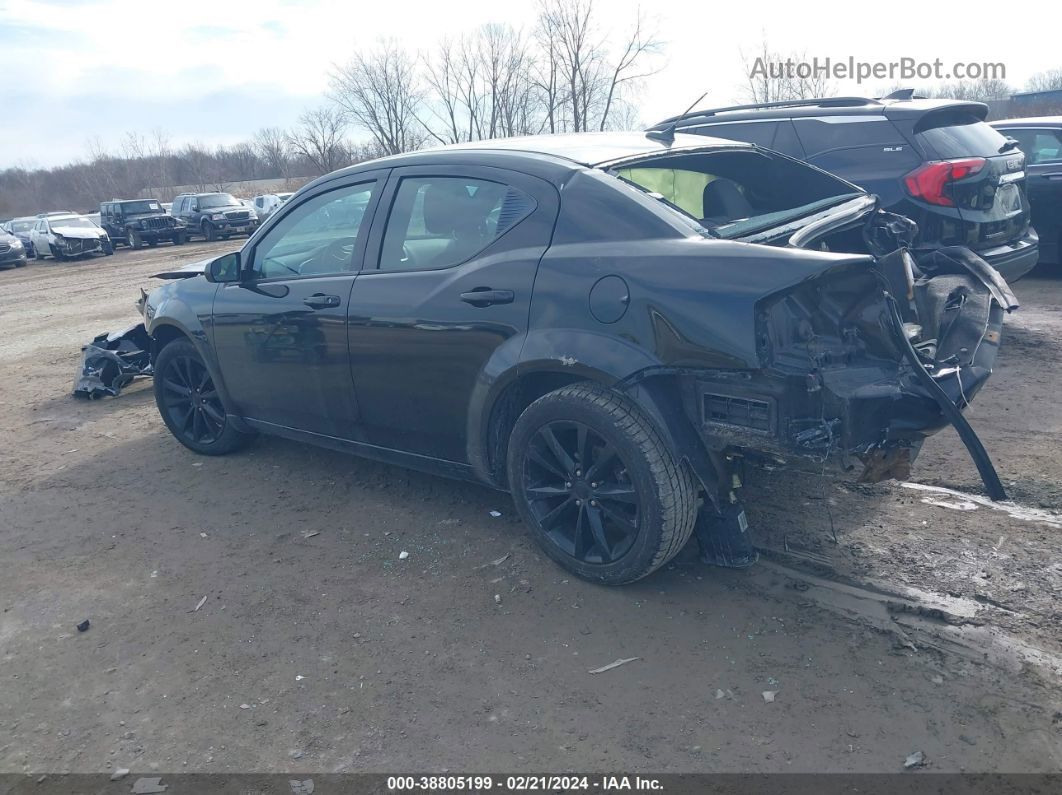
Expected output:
(111, 361)
(611, 665)
(83, 626)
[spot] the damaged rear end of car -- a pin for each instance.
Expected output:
(862, 349)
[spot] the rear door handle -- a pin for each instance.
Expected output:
(484, 296)
(321, 301)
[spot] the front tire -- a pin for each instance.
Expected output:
(132, 239)
(190, 404)
(210, 233)
(604, 496)
(178, 238)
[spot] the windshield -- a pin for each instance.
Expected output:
(216, 200)
(734, 193)
(134, 208)
(21, 226)
(74, 221)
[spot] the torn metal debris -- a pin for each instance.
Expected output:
(111, 361)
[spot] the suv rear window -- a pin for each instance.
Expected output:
(949, 135)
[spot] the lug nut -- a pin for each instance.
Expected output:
(578, 502)
(567, 484)
(593, 503)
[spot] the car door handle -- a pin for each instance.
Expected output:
(484, 296)
(321, 301)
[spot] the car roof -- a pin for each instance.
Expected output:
(589, 149)
(825, 106)
(554, 155)
(1030, 121)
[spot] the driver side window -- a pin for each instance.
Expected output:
(317, 237)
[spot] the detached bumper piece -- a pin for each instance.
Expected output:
(111, 361)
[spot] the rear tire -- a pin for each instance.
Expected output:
(604, 496)
(190, 404)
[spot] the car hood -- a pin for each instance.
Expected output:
(186, 271)
(78, 232)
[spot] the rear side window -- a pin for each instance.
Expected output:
(944, 136)
(753, 132)
(439, 222)
(842, 132)
(1039, 146)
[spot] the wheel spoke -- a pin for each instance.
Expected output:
(623, 521)
(176, 388)
(549, 521)
(544, 492)
(617, 494)
(582, 451)
(577, 537)
(211, 411)
(597, 527)
(183, 424)
(537, 456)
(558, 451)
(197, 423)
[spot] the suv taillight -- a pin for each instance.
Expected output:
(928, 180)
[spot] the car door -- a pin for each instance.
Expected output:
(280, 333)
(1043, 167)
(455, 257)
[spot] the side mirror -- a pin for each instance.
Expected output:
(225, 268)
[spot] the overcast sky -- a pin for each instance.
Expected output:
(214, 72)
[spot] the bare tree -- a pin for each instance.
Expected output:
(480, 86)
(580, 78)
(271, 145)
(773, 76)
(319, 138)
(1051, 80)
(973, 90)
(379, 91)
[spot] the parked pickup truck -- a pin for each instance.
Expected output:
(135, 222)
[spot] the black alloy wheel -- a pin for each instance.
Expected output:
(603, 494)
(192, 402)
(580, 493)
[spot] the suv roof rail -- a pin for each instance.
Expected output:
(822, 102)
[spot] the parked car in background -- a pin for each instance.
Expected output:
(12, 252)
(167, 206)
(1040, 138)
(266, 204)
(534, 314)
(136, 222)
(214, 215)
(67, 236)
(21, 228)
(934, 161)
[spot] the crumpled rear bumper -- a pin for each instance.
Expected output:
(839, 384)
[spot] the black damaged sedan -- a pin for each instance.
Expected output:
(604, 325)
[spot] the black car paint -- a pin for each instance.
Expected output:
(151, 226)
(197, 220)
(1044, 185)
(442, 375)
(999, 231)
(12, 250)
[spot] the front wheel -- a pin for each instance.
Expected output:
(132, 239)
(178, 238)
(601, 491)
(190, 404)
(210, 233)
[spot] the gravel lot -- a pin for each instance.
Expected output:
(932, 622)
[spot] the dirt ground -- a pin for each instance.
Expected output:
(921, 621)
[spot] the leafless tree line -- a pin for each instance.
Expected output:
(569, 73)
